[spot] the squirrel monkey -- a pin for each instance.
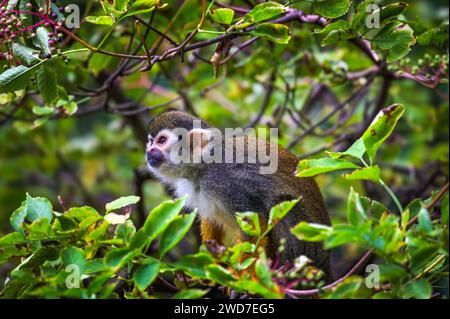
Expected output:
(218, 189)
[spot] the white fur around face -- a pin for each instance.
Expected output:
(208, 208)
(197, 198)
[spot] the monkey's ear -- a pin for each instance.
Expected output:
(198, 139)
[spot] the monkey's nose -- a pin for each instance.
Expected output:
(155, 157)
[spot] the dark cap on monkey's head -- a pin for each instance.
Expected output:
(174, 119)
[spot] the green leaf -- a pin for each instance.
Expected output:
(371, 173)
(335, 32)
(263, 272)
(356, 210)
(175, 232)
(405, 219)
(357, 20)
(420, 289)
(39, 257)
(121, 5)
(278, 212)
(11, 239)
(121, 203)
(194, 265)
(110, 9)
(219, 274)
(415, 206)
(331, 8)
(43, 110)
(95, 266)
(190, 294)
(342, 234)
(392, 10)
(69, 108)
(391, 271)
(146, 273)
(126, 231)
(336, 36)
(98, 283)
(82, 213)
(255, 288)
(278, 33)
(138, 240)
(437, 36)
(382, 295)
(222, 15)
(32, 209)
(101, 20)
(357, 150)
(313, 167)
(420, 252)
(396, 40)
(74, 256)
(160, 217)
(425, 222)
(264, 11)
(38, 230)
(14, 79)
(245, 264)
(350, 288)
(143, 7)
(26, 55)
(117, 258)
(47, 83)
(42, 39)
(7, 252)
(381, 128)
(249, 223)
(334, 26)
(239, 250)
(18, 217)
(311, 232)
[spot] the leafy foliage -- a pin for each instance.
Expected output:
(357, 89)
(89, 257)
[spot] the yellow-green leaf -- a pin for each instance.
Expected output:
(222, 15)
(313, 167)
(121, 203)
(275, 32)
(331, 8)
(381, 127)
(371, 173)
(101, 20)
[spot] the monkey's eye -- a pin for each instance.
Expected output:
(162, 140)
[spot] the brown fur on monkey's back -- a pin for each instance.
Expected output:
(248, 190)
(311, 208)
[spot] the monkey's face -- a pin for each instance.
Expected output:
(158, 150)
(172, 153)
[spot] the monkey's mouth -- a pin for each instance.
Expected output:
(154, 161)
